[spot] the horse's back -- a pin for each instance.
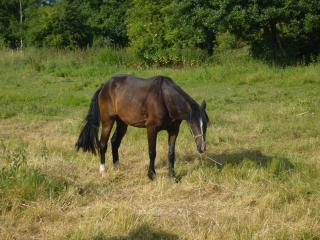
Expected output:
(136, 101)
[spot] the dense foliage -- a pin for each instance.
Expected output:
(107, 21)
(12, 21)
(168, 31)
(63, 25)
(280, 30)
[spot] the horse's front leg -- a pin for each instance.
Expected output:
(172, 136)
(105, 133)
(152, 142)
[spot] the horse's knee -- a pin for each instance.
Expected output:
(103, 144)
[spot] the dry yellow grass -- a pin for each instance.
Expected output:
(124, 203)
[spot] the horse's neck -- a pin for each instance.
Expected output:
(192, 110)
(179, 104)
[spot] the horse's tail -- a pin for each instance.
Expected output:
(88, 139)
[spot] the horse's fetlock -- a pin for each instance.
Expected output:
(102, 168)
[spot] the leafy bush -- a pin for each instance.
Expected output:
(285, 31)
(107, 22)
(62, 25)
(227, 41)
(160, 32)
(10, 27)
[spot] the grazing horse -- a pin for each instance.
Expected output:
(155, 104)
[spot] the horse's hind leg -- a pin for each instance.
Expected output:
(105, 133)
(152, 142)
(116, 140)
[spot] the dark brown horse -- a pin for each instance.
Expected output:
(155, 104)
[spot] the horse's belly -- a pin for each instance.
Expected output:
(134, 120)
(134, 111)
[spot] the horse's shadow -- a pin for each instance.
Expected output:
(256, 157)
(145, 232)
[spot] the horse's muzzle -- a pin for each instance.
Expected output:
(201, 147)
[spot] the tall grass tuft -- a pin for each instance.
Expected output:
(21, 182)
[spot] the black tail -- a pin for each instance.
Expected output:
(88, 139)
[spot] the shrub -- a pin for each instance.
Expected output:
(285, 31)
(160, 32)
(62, 25)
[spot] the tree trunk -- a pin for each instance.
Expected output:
(21, 21)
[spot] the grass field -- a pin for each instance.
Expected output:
(264, 133)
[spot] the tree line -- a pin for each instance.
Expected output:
(283, 31)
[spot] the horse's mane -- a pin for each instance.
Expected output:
(161, 81)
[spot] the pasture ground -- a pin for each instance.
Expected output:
(265, 133)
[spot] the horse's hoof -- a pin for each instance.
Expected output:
(151, 175)
(116, 165)
(171, 174)
(102, 169)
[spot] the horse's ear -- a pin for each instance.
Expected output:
(203, 105)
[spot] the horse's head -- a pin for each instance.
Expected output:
(198, 123)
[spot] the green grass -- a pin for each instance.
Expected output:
(259, 179)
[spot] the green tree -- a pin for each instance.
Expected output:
(191, 24)
(61, 25)
(146, 29)
(165, 31)
(107, 21)
(12, 21)
(284, 31)
(7, 20)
